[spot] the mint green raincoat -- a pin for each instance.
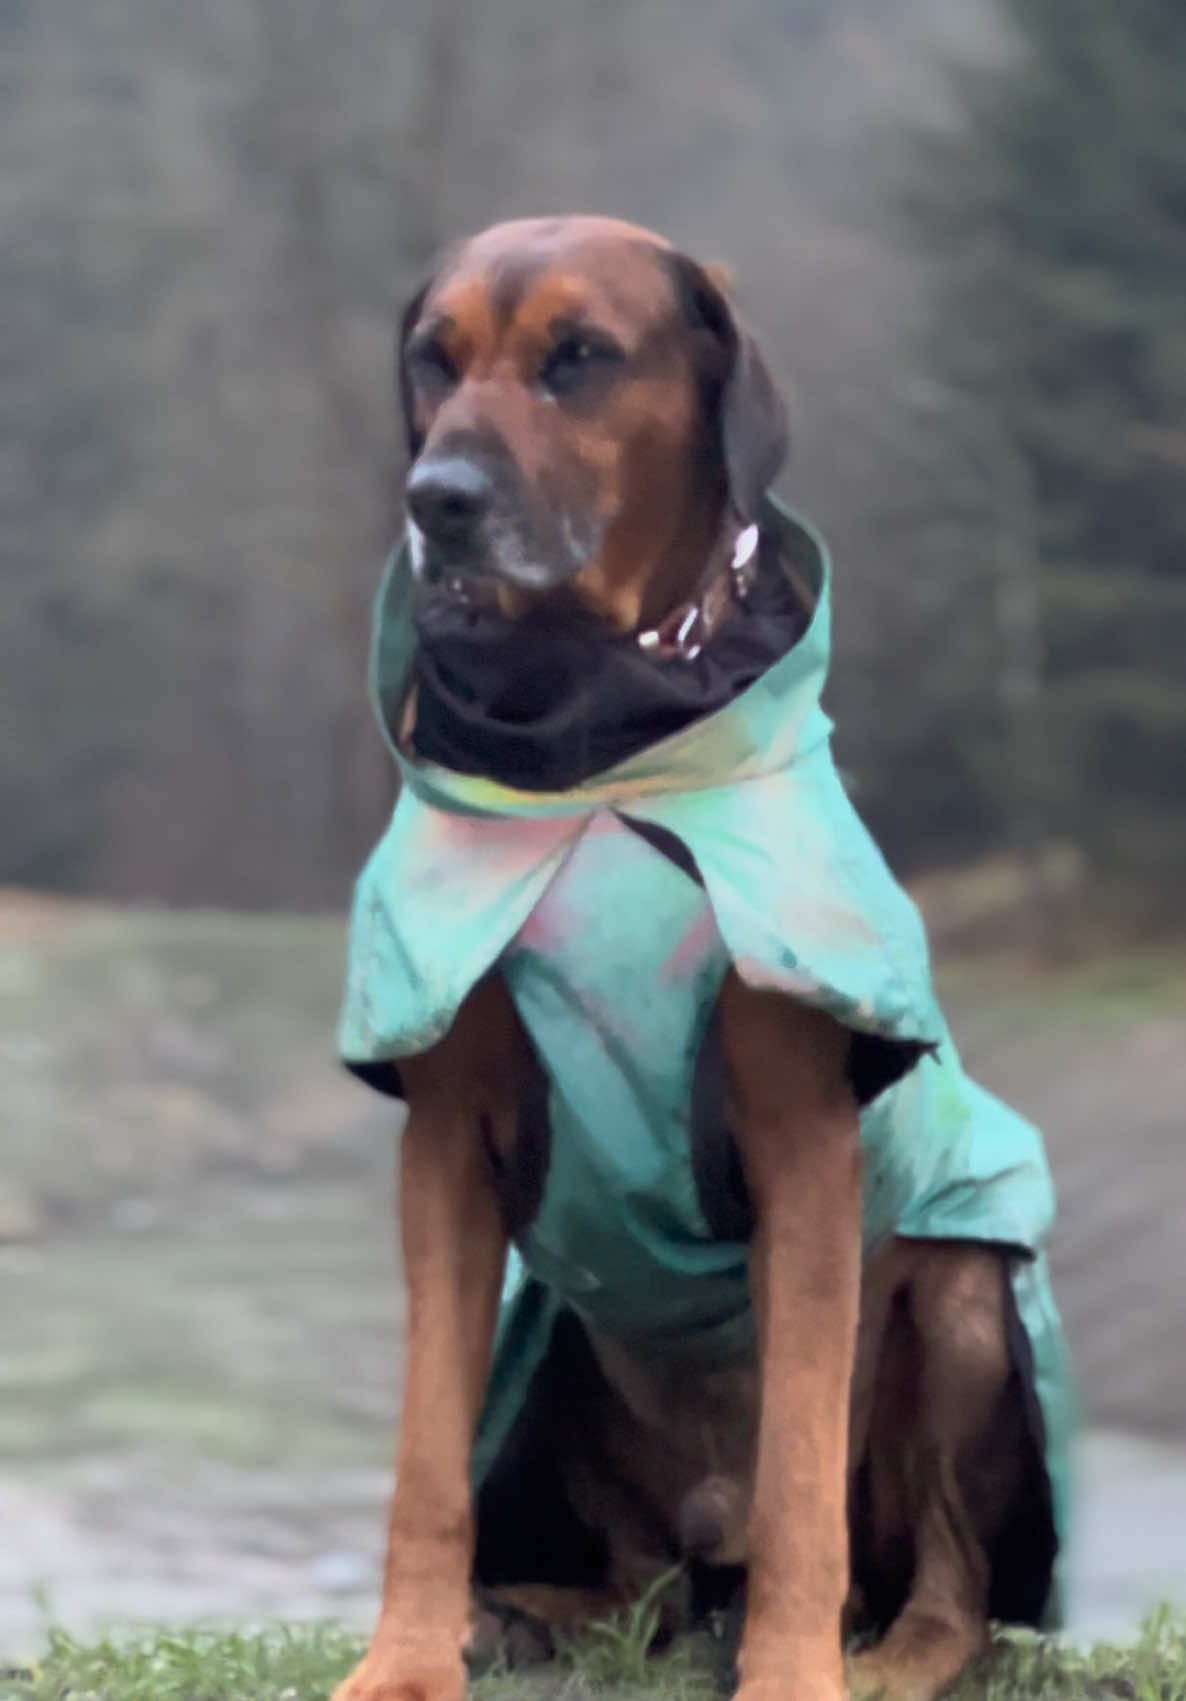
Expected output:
(613, 956)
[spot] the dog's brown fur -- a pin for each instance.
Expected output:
(876, 1450)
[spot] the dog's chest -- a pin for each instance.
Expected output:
(615, 975)
(622, 953)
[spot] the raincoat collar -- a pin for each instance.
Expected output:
(767, 726)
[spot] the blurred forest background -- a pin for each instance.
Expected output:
(959, 227)
(961, 232)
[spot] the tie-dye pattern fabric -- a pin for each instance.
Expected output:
(613, 956)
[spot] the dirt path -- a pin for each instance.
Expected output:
(1097, 1056)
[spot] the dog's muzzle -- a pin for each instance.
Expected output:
(472, 518)
(450, 499)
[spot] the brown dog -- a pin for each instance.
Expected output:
(584, 412)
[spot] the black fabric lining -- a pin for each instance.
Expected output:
(1025, 1549)
(548, 699)
(381, 1074)
(876, 1063)
(667, 843)
(716, 1166)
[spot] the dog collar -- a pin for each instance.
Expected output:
(684, 632)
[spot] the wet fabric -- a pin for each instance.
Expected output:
(614, 954)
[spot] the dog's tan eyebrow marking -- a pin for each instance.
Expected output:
(585, 326)
(465, 306)
(563, 304)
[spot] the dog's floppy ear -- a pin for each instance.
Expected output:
(407, 321)
(751, 414)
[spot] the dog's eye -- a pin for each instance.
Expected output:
(574, 359)
(431, 363)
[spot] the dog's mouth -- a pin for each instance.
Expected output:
(484, 610)
(459, 599)
(478, 575)
(504, 558)
(462, 591)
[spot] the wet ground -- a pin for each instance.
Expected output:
(199, 1314)
(201, 1429)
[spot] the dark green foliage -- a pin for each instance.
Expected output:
(1057, 216)
(212, 212)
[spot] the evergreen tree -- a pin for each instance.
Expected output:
(1056, 213)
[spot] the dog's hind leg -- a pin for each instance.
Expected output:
(521, 1624)
(942, 1489)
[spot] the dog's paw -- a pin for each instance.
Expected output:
(405, 1674)
(796, 1682)
(792, 1688)
(506, 1636)
(919, 1659)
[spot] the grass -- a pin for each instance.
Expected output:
(304, 1663)
(190, 1665)
(614, 1652)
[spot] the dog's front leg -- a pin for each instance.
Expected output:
(460, 1112)
(796, 1125)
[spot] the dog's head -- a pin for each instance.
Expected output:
(581, 403)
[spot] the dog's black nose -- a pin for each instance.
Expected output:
(449, 498)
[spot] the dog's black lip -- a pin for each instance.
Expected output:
(456, 580)
(463, 576)
(456, 587)
(446, 607)
(463, 584)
